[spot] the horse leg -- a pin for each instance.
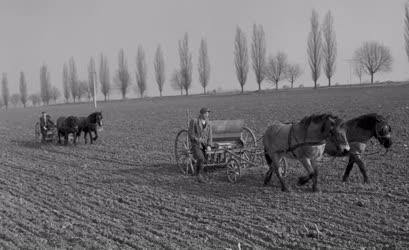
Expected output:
(65, 138)
(90, 137)
(59, 137)
(267, 178)
(315, 177)
(75, 138)
(96, 134)
(361, 165)
(307, 165)
(276, 164)
(348, 169)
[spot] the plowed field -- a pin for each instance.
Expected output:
(125, 191)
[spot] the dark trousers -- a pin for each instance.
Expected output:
(199, 155)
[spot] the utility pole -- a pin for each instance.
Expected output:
(95, 89)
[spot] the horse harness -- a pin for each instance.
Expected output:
(292, 148)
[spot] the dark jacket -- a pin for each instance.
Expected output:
(200, 135)
(46, 122)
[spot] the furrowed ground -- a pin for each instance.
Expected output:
(125, 191)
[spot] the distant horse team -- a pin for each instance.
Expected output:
(75, 125)
(305, 141)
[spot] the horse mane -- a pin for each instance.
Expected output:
(316, 118)
(369, 121)
(93, 117)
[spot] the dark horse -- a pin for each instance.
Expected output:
(359, 131)
(66, 126)
(304, 141)
(89, 124)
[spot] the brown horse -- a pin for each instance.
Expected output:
(89, 124)
(304, 141)
(359, 131)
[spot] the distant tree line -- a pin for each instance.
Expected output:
(370, 58)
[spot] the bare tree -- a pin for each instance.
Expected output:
(122, 77)
(83, 90)
(15, 99)
(276, 68)
(293, 72)
(186, 64)
(314, 49)
(176, 81)
(73, 79)
(55, 93)
(203, 65)
(23, 89)
(258, 53)
(5, 90)
(358, 70)
(406, 32)
(104, 77)
(374, 57)
(45, 85)
(241, 58)
(329, 47)
(91, 78)
(35, 99)
(141, 71)
(66, 82)
(159, 64)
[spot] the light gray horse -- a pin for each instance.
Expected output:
(304, 141)
(359, 131)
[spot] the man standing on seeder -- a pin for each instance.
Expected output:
(200, 135)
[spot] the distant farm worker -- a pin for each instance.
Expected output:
(200, 135)
(45, 123)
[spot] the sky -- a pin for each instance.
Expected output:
(51, 31)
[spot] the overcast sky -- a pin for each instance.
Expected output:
(51, 31)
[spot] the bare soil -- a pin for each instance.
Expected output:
(125, 191)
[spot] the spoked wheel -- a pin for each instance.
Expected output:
(183, 156)
(233, 170)
(37, 132)
(249, 141)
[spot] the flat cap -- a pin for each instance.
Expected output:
(204, 110)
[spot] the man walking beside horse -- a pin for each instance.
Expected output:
(200, 136)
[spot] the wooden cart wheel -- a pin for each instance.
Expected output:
(37, 132)
(183, 155)
(249, 143)
(54, 138)
(233, 170)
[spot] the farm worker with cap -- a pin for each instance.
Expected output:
(200, 135)
(45, 123)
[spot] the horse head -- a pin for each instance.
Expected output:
(334, 129)
(96, 117)
(383, 131)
